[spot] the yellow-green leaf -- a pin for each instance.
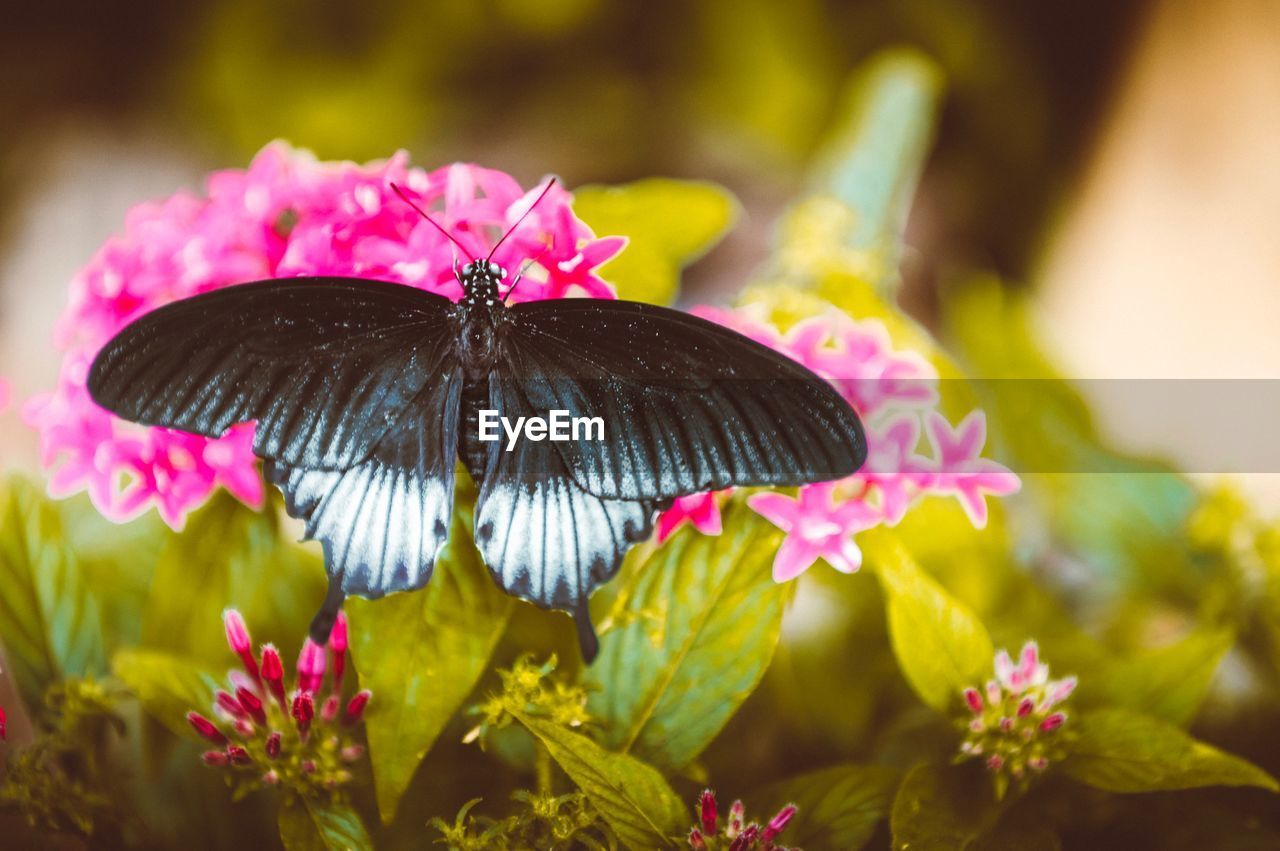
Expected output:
(421, 654)
(693, 627)
(168, 686)
(307, 825)
(668, 224)
(838, 807)
(1170, 682)
(939, 642)
(1122, 751)
(49, 623)
(630, 794)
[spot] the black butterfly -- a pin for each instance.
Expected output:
(366, 393)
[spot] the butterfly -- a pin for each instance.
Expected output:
(367, 394)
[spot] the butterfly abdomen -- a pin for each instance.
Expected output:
(471, 450)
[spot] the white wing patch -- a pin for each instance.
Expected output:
(383, 521)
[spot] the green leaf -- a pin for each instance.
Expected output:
(839, 807)
(939, 642)
(668, 224)
(49, 623)
(421, 654)
(691, 632)
(873, 160)
(1168, 683)
(230, 555)
(1121, 751)
(947, 808)
(168, 686)
(307, 825)
(630, 794)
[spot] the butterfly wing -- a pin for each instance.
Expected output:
(544, 537)
(688, 405)
(324, 365)
(355, 387)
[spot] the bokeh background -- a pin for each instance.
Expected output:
(1117, 161)
(1117, 157)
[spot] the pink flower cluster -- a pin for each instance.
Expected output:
(895, 393)
(286, 215)
(736, 834)
(279, 736)
(1014, 721)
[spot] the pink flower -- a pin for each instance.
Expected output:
(1011, 723)
(961, 471)
(287, 214)
(736, 835)
(893, 470)
(859, 359)
(700, 510)
(817, 527)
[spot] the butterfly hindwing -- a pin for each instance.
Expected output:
(384, 520)
(687, 405)
(322, 364)
(544, 537)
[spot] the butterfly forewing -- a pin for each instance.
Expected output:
(687, 405)
(324, 365)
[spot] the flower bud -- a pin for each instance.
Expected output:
(252, 705)
(338, 643)
(696, 842)
(273, 744)
(237, 755)
(228, 704)
(304, 709)
(1053, 722)
(240, 642)
(973, 700)
(244, 728)
(308, 766)
(355, 707)
(311, 664)
(271, 778)
(273, 674)
(215, 758)
(329, 709)
(206, 728)
(778, 823)
(736, 814)
(748, 837)
(707, 807)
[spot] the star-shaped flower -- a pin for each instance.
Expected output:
(817, 527)
(700, 510)
(961, 471)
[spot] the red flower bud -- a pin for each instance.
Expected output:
(206, 728)
(311, 664)
(273, 744)
(973, 700)
(273, 673)
(355, 707)
(252, 704)
(778, 823)
(240, 642)
(237, 755)
(304, 709)
(228, 704)
(736, 815)
(216, 758)
(747, 838)
(696, 842)
(308, 766)
(1053, 721)
(707, 811)
(338, 643)
(329, 709)
(1025, 707)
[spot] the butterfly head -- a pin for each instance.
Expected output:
(480, 280)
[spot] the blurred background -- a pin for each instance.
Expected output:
(1118, 158)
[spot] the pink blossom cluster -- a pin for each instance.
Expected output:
(736, 833)
(270, 735)
(895, 394)
(286, 215)
(1014, 722)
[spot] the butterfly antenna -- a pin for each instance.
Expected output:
(405, 198)
(523, 216)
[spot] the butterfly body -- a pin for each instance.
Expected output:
(366, 394)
